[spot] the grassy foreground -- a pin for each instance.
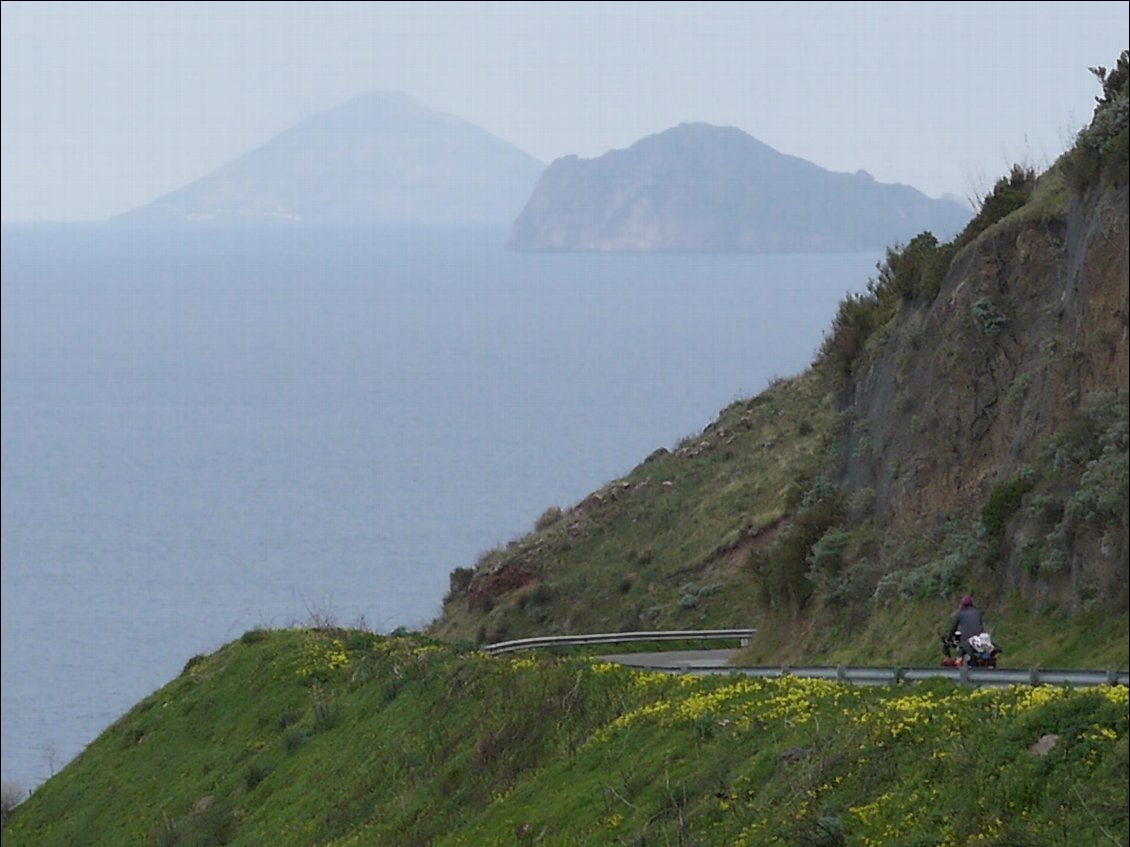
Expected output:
(345, 738)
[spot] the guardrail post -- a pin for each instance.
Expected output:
(964, 675)
(841, 673)
(1033, 676)
(1112, 677)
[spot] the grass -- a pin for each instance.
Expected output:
(666, 530)
(438, 747)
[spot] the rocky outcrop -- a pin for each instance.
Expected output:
(698, 187)
(988, 387)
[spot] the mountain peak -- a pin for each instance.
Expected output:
(380, 157)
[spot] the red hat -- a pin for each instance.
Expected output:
(967, 600)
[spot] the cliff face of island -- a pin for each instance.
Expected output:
(380, 158)
(698, 187)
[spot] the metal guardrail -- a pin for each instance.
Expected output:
(976, 677)
(742, 635)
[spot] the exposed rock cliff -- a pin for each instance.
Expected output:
(1000, 393)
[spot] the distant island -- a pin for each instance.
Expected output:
(383, 158)
(698, 187)
(380, 158)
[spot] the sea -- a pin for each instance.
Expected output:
(209, 431)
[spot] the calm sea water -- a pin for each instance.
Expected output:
(209, 433)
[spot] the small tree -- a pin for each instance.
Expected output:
(11, 795)
(548, 518)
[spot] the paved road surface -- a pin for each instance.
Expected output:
(687, 659)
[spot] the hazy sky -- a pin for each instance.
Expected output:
(106, 106)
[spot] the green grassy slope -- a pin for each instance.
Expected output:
(662, 547)
(342, 738)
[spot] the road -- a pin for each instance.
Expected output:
(674, 659)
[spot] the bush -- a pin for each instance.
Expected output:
(459, 581)
(827, 554)
(255, 774)
(11, 795)
(783, 572)
(294, 739)
(193, 662)
(253, 636)
(548, 518)
(327, 714)
(288, 718)
(1010, 193)
(1102, 148)
(915, 271)
(856, 319)
(1104, 487)
(1003, 501)
(911, 272)
(988, 315)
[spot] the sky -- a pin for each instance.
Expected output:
(107, 106)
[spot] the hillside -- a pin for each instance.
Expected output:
(964, 430)
(703, 187)
(339, 738)
(381, 158)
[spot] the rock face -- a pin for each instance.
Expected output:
(380, 158)
(1022, 357)
(698, 187)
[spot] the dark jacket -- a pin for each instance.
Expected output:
(969, 622)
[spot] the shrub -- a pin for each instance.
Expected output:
(294, 739)
(253, 636)
(1010, 193)
(548, 518)
(327, 714)
(827, 554)
(1102, 146)
(193, 662)
(255, 774)
(988, 316)
(288, 718)
(911, 272)
(784, 571)
(1046, 508)
(1104, 487)
(11, 795)
(459, 581)
(915, 271)
(856, 319)
(1003, 501)
(936, 579)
